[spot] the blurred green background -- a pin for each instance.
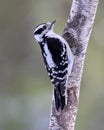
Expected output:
(25, 89)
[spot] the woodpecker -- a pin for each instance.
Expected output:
(58, 59)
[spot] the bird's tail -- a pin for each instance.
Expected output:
(59, 95)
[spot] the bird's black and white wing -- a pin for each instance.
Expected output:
(55, 55)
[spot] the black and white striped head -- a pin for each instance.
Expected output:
(42, 29)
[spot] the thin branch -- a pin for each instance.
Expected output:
(77, 32)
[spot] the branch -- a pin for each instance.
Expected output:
(77, 32)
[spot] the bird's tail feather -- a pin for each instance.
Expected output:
(59, 98)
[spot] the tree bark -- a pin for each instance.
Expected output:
(77, 32)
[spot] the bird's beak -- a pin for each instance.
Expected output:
(52, 24)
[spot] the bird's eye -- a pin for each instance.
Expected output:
(39, 31)
(44, 27)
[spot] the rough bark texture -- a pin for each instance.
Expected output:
(77, 33)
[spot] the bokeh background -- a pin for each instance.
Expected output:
(25, 89)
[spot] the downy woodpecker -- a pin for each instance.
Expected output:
(58, 60)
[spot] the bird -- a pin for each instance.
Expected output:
(58, 59)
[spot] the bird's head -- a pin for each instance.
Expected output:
(42, 29)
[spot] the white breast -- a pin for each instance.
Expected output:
(48, 56)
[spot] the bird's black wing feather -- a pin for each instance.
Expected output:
(59, 72)
(60, 59)
(56, 48)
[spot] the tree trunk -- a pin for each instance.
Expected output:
(77, 32)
